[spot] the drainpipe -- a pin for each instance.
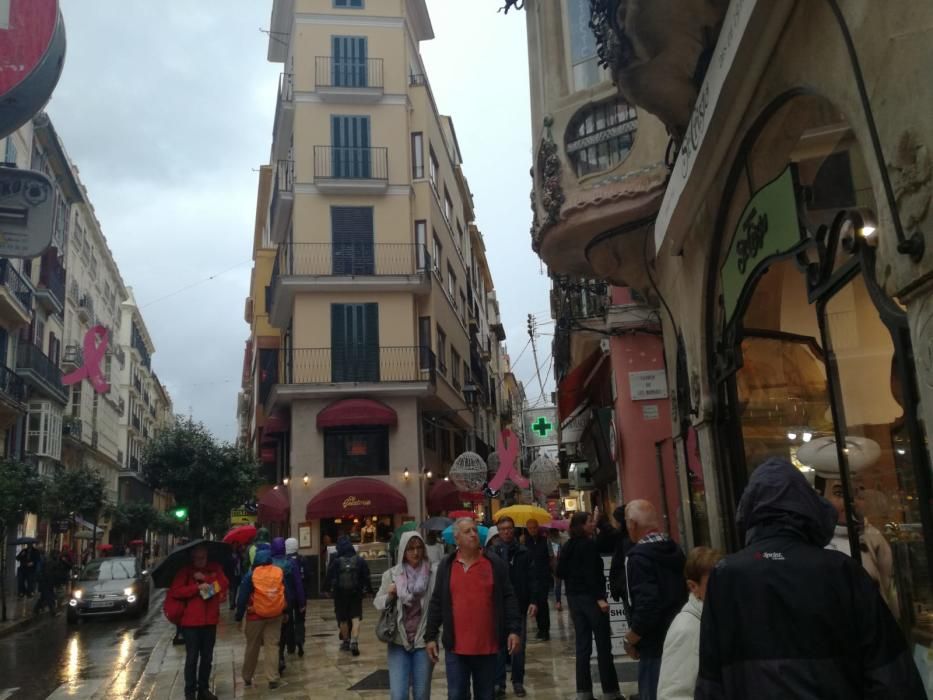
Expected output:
(659, 460)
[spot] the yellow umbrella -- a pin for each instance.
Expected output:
(522, 514)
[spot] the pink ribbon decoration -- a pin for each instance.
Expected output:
(507, 449)
(93, 354)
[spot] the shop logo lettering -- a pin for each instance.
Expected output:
(755, 228)
(354, 502)
(773, 556)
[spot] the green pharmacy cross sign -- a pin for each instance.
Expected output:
(542, 426)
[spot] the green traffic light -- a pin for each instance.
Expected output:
(181, 513)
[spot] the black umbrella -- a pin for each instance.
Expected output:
(24, 540)
(437, 523)
(164, 573)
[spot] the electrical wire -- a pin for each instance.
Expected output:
(194, 284)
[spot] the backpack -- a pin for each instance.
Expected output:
(348, 574)
(268, 599)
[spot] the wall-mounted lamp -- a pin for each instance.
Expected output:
(429, 474)
(306, 479)
(446, 478)
(286, 480)
(406, 474)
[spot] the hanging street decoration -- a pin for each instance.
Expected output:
(544, 475)
(93, 355)
(468, 472)
(507, 449)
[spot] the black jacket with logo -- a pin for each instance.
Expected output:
(657, 591)
(785, 618)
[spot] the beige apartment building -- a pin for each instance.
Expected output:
(375, 332)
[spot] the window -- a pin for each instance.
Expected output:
(438, 252)
(451, 285)
(349, 64)
(352, 241)
(441, 350)
(44, 430)
(424, 342)
(356, 451)
(354, 334)
(430, 434)
(584, 61)
(421, 240)
(461, 242)
(10, 151)
(463, 304)
(350, 153)
(448, 208)
(601, 136)
(434, 167)
(417, 156)
(455, 368)
(349, 4)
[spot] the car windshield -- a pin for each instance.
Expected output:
(109, 570)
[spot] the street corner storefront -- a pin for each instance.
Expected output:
(811, 360)
(366, 510)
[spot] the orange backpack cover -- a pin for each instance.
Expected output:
(268, 599)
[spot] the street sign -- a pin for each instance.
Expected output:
(541, 427)
(32, 54)
(26, 209)
(650, 385)
(241, 516)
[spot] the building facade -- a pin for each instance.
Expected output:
(769, 193)
(375, 348)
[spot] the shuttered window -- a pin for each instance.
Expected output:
(352, 240)
(351, 157)
(349, 61)
(354, 332)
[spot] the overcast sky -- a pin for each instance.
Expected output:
(167, 108)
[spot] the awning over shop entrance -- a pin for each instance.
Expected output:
(356, 412)
(274, 505)
(444, 496)
(356, 497)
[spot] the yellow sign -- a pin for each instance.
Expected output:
(241, 516)
(354, 502)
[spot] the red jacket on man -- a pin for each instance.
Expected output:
(199, 612)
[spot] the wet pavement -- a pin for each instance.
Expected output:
(104, 656)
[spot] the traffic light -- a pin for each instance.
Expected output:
(180, 513)
(531, 326)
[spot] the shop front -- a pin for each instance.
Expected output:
(809, 359)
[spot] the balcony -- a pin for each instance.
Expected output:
(73, 427)
(283, 199)
(51, 290)
(348, 80)
(136, 422)
(40, 372)
(327, 267)
(15, 297)
(330, 372)
(12, 397)
(73, 357)
(351, 170)
(86, 308)
(284, 117)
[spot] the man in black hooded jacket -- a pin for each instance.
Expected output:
(786, 618)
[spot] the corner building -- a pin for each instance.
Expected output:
(372, 362)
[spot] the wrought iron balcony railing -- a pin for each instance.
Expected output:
(358, 364)
(351, 163)
(348, 73)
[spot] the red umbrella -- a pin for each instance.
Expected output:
(137, 543)
(104, 547)
(244, 534)
(461, 514)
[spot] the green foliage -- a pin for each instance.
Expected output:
(21, 491)
(80, 490)
(131, 520)
(208, 478)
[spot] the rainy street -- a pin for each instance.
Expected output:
(55, 660)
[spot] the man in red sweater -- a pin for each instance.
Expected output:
(203, 586)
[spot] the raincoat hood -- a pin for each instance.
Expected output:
(345, 547)
(779, 495)
(262, 535)
(278, 547)
(403, 543)
(291, 546)
(263, 557)
(493, 532)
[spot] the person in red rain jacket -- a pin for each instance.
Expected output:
(203, 586)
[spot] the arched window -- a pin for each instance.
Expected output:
(601, 135)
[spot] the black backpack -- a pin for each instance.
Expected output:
(348, 574)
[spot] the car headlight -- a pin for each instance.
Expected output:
(77, 594)
(128, 591)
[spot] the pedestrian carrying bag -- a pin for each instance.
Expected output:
(387, 626)
(173, 608)
(347, 577)
(268, 591)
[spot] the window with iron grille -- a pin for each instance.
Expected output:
(600, 136)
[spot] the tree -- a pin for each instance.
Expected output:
(130, 521)
(21, 492)
(207, 478)
(72, 492)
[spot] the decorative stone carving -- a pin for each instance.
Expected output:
(552, 192)
(911, 172)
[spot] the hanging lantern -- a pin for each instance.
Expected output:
(544, 475)
(468, 472)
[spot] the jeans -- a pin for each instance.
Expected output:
(518, 661)
(558, 584)
(590, 621)
(649, 672)
(199, 645)
(409, 669)
(461, 668)
(543, 617)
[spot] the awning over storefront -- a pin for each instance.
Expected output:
(356, 497)
(276, 423)
(274, 505)
(444, 496)
(356, 412)
(573, 390)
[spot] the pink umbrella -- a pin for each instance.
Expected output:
(558, 525)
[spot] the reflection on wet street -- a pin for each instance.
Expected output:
(102, 657)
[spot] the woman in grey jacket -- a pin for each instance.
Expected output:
(411, 582)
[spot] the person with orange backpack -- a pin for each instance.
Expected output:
(265, 594)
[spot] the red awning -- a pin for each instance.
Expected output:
(356, 412)
(276, 423)
(573, 388)
(267, 455)
(356, 497)
(274, 505)
(444, 496)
